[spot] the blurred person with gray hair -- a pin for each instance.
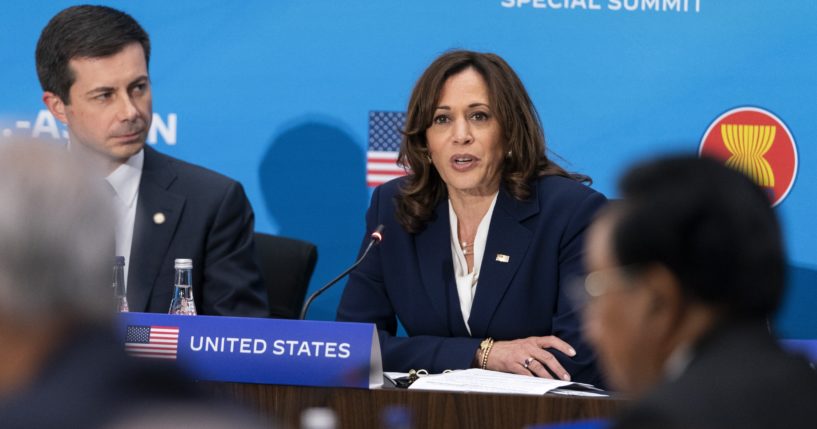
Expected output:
(57, 233)
(60, 364)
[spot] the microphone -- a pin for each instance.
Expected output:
(374, 238)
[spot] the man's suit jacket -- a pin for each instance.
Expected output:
(738, 378)
(410, 277)
(185, 211)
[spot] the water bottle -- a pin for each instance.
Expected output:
(318, 418)
(120, 297)
(182, 302)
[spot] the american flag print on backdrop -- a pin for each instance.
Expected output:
(158, 342)
(384, 145)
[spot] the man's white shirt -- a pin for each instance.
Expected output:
(125, 182)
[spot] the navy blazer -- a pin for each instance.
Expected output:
(206, 217)
(410, 277)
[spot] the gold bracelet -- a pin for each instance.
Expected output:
(485, 346)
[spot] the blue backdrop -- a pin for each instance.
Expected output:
(278, 94)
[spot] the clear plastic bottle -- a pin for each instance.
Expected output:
(119, 293)
(182, 302)
(318, 418)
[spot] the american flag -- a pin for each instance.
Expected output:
(384, 145)
(159, 342)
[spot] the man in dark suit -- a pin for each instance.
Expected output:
(686, 270)
(92, 62)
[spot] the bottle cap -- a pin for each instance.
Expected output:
(184, 263)
(119, 260)
(395, 417)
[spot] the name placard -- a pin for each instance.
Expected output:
(255, 350)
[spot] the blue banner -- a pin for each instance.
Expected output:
(255, 350)
(296, 99)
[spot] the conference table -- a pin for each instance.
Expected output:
(362, 408)
(256, 370)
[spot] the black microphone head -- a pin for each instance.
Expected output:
(377, 235)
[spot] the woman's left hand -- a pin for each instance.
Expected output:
(527, 356)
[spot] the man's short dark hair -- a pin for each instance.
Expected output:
(710, 225)
(83, 32)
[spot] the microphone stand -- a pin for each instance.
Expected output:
(376, 237)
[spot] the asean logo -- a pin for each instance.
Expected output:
(756, 142)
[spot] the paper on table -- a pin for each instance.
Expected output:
(480, 380)
(569, 392)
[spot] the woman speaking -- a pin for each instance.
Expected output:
(482, 236)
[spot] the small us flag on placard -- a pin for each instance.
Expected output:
(159, 342)
(384, 145)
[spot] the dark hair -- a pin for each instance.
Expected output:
(517, 117)
(83, 32)
(711, 226)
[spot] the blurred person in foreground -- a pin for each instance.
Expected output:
(480, 238)
(92, 62)
(60, 364)
(686, 270)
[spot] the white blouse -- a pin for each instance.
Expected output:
(467, 282)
